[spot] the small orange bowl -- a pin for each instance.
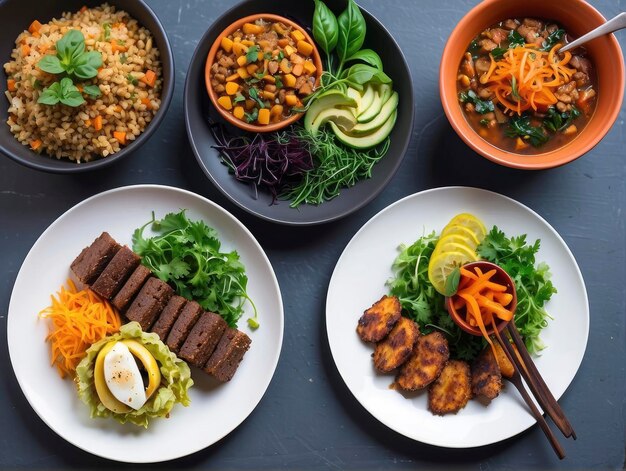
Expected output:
(577, 17)
(317, 60)
(500, 277)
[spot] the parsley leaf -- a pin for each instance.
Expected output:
(187, 254)
(552, 39)
(253, 54)
(481, 106)
(519, 126)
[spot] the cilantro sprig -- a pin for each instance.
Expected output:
(187, 255)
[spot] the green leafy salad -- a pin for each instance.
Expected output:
(422, 303)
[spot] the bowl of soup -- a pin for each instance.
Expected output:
(514, 98)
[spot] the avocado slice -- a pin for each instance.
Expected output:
(367, 140)
(367, 97)
(356, 96)
(386, 90)
(383, 115)
(326, 100)
(373, 110)
(342, 117)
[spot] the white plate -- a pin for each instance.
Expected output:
(359, 280)
(215, 410)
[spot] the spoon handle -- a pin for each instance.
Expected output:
(613, 24)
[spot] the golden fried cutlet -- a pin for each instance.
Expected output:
(425, 364)
(378, 320)
(486, 376)
(452, 389)
(396, 348)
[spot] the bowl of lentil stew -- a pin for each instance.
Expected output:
(538, 21)
(258, 70)
(142, 19)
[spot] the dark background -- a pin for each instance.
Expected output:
(308, 418)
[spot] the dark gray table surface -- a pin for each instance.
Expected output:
(308, 418)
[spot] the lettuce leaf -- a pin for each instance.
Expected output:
(175, 379)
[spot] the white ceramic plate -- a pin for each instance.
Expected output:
(359, 280)
(215, 410)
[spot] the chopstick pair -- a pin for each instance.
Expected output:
(525, 367)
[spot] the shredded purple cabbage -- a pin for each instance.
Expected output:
(268, 161)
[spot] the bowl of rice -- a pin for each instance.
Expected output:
(85, 83)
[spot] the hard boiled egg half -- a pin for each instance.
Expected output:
(118, 381)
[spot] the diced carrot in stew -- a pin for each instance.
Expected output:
(289, 50)
(252, 68)
(243, 73)
(296, 59)
(149, 78)
(276, 110)
(291, 100)
(309, 67)
(239, 49)
(297, 35)
(570, 130)
(120, 136)
(34, 27)
(305, 48)
(264, 116)
(25, 49)
(285, 66)
(11, 85)
(297, 70)
(283, 42)
(232, 78)
(269, 79)
(227, 44)
(242, 60)
(520, 144)
(97, 123)
(225, 102)
(269, 95)
(117, 47)
(251, 28)
(247, 42)
(231, 88)
(146, 101)
(238, 112)
(36, 144)
(289, 80)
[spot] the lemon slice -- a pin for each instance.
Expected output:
(444, 246)
(469, 222)
(442, 264)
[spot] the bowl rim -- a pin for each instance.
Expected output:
(458, 319)
(41, 163)
(502, 157)
(235, 25)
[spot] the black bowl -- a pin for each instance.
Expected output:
(17, 15)
(198, 110)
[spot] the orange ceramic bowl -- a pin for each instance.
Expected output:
(317, 60)
(577, 17)
(500, 277)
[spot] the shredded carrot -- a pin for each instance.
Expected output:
(526, 77)
(78, 319)
(149, 78)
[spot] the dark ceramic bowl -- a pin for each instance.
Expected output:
(500, 277)
(17, 15)
(199, 110)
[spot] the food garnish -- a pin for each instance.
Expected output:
(78, 318)
(187, 254)
(175, 378)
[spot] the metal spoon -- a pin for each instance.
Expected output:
(619, 22)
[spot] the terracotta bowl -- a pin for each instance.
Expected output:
(501, 277)
(576, 17)
(317, 60)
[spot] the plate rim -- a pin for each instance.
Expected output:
(279, 310)
(285, 221)
(390, 207)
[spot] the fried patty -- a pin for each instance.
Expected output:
(378, 320)
(396, 348)
(451, 391)
(486, 376)
(425, 364)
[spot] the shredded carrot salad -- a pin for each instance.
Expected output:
(483, 300)
(78, 319)
(526, 77)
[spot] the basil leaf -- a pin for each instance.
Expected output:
(92, 90)
(51, 64)
(368, 56)
(73, 98)
(351, 31)
(325, 27)
(86, 66)
(360, 74)
(70, 45)
(49, 96)
(452, 282)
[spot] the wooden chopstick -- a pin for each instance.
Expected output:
(516, 379)
(538, 386)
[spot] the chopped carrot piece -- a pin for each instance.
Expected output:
(34, 27)
(252, 68)
(83, 9)
(146, 101)
(25, 49)
(231, 88)
(297, 35)
(117, 47)
(36, 144)
(251, 28)
(269, 79)
(247, 42)
(291, 100)
(264, 116)
(243, 73)
(149, 78)
(283, 42)
(97, 123)
(289, 50)
(309, 67)
(239, 49)
(238, 112)
(11, 85)
(520, 144)
(227, 44)
(232, 78)
(268, 95)
(225, 102)
(297, 70)
(120, 136)
(276, 111)
(242, 60)
(289, 80)
(305, 48)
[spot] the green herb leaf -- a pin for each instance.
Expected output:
(107, 31)
(239, 98)
(69, 94)
(556, 121)
(552, 39)
(51, 64)
(452, 282)
(514, 91)
(87, 64)
(253, 323)
(519, 126)
(132, 79)
(253, 116)
(50, 95)
(281, 56)
(368, 56)
(279, 82)
(254, 94)
(325, 27)
(481, 106)
(92, 90)
(123, 58)
(360, 74)
(515, 39)
(351, 31)
(498, 53)
(70, 47)
(253, 54)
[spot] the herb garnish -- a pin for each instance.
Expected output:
(515, 39)
(107, 31)
(187, 255)
(92, 90)
(481, 106)
(552, 39)
(254, 94)
(71, 58)
(519, 126)
(252, 117)
(555, 121)
(253, 54)
(123, 58)
(132, 79)
(64, 92)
